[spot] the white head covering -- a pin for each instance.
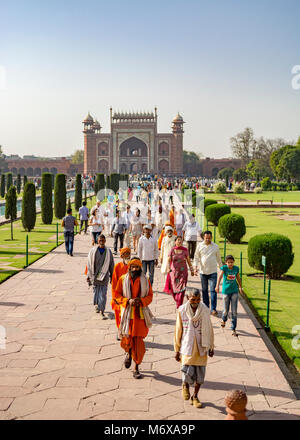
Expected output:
(169, 228)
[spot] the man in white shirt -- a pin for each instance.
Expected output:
(148, 252)
(179, 221)
(127, 216)
(207, 258)
(190, 230)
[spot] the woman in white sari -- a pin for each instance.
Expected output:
(168, 243)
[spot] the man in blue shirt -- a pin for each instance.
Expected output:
(84, 216)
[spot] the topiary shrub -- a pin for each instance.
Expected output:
(232, 227)
(2, 185)
(46, 200)
(78, 192)
(60, 196)
(266, 184)
(9, 181)
(214, 212)
(238, 188)
(220, 188)
(18, 183)
(276, 248)
(208, 202)
(29, 207)
(258, 190)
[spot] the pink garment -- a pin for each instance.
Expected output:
(179, 273)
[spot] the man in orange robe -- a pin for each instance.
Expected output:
(120, 269)
(133, 342)
(162, 234)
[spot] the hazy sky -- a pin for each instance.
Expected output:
(223, 64)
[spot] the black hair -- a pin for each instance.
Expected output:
(69, 210)
(229, 257)
(102, 236)
(207, 232)
(84, 203)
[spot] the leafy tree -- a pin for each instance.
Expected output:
(78, 157)
(3, 163)
(192, 163)
(275, 159)
(225, 173)
(9, 181)
(46, 200)
(60, 196)
(29, 207)
(289, 164)
(257, 171)
(11, 207)
(243, 145)
(2, 188)
(240, 174)
(18, 183)
(78, 192)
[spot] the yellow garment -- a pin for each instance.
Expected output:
(195, 358)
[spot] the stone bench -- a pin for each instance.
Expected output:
(257, 201)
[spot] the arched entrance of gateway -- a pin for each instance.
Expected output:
(133, 156)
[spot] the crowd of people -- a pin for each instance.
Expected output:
(149, 229)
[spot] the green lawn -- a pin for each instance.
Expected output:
(285, 294)
(277, 196)
(42, 239)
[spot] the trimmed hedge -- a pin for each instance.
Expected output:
(238, 188)
(114, 182)
(29, 207)
(220, 188)
(9, 181)
(18, 183)
(78, 192)
(46, 200)
(208, 202)
(2, 186)
(232, 227)
(214, 212)
(60, 196)
(99, 183)
(276, 248)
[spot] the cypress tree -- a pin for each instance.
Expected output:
(78, 192)
(29, 207)
(11, 207)
(18, 183)
(60, 196)
(2, 189)
(85, 197)
(53, 180)
(69, 203)
(114, 181)
(9, 181)
(24, 181)
(46, 200)
(99, 183)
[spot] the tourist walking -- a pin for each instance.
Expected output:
(68, 222)
(134, 294)
(148, 252)
(127, 218)
(118, 229)
(136, 228)
(167, 244)
(194, 340)
(100, 267)
(208, 258)
(191, 230)
(230, 291)
(84, 217)
(178, 263)
(96, 224)
(180, 221)
(120, 269)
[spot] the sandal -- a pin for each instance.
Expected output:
(137, 374)
(128, 360)
(222, 324)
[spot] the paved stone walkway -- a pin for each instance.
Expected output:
(62, 361)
